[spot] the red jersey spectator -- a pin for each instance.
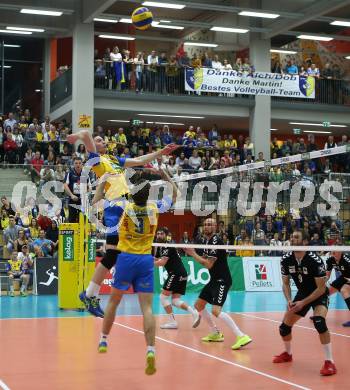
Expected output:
(10, 148)
(37, 164)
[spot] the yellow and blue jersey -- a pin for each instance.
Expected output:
(14, 266)
(116, 185)
(138, 226)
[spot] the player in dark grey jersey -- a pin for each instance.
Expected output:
(309, 275)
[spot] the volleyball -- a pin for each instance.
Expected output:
(142, 18)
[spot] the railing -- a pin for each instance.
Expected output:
(170, 79)
(61, 88)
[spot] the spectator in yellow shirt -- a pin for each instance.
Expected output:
(145, 129)
(121, 137)
(190, 133)
(39, 134)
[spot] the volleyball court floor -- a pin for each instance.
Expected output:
(42, 347)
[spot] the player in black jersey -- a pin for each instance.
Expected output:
(215, 292)
(309, 274)
(341, 263)
(175, 285)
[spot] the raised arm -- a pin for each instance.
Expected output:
(166, 177)
(85, 137)
(142, 160)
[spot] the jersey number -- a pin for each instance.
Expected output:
(140, 226)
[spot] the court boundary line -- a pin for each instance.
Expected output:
(3, 385)
(296, 325)
(252, 370)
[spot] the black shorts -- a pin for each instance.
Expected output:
(215, 292)
(323, 300)
(339, 283)
(176, 284)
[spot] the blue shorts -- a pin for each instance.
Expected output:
(111, 218)
(134, 270)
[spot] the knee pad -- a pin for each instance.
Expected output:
(285, 330)
(110, 258)
(177, 302)
(164, 299)
(320, 324)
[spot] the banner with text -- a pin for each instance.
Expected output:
(257, 83)
(198, 276)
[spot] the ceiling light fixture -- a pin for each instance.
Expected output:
(40, 12)
(200, 44)
(124, 38)
(315, 38)
(125, 20)
(347, 57)
(25, 29)
(173, 116)
(273, 129)
(8, 45)
(163, 5)
(229, 29)
(283, 51)
(156, 24)
(167, 123)
(340, 23)
(259, 14)
(118, 120)
(317, 132)
(105, 20)
(6, 66)
(16, 32)
(313, 124)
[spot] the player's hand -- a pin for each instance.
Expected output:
(74, 198)
(290, 305)
(72, 138)
(189, 251)
(169, 149)
(296, 306)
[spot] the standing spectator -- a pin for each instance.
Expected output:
(238, 66)
(171, 166)
(118, 67)
(291, 68)
(172, 75)
(11, 233)
(213, 134)
(139, 69)
(206, 61)
(36, 165)
(82, 153)
(330, 143)
(196, 62)
(226, 65)
(166, 137)
(216, 64)
(152, 69)
(18, 138)
(121, 137)
(162, 63)
(313, 71)
(72, 189)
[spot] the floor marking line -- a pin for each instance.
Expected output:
(3, 385)
(298, 326)
(218, 358)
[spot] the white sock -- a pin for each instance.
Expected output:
(328, 351)
(103, 337)
(209, 319)
(172, 317)
(288, 346)
(92, 290)
(230, 323)
(151, 348)
(23, 288)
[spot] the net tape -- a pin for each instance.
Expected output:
(263, 164)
